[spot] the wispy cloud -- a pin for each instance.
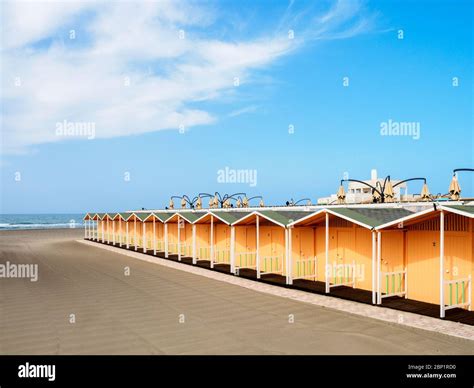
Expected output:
(247, 109)
(132, 67)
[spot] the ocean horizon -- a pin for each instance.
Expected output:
(41, 221)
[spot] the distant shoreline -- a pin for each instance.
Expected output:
(40, 221)
(53, 229)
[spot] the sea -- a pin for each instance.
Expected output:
(40, 221)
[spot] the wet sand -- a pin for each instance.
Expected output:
(160, 310)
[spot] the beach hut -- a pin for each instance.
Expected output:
(140, 228)
(354, 245)
(179, 232)
(187, 232)
(437, 246)
(100, 236)
(213, 236)
(88, 228)
(119, 228)
(261, 241)
(173, 226)
(202, 238)
(157, 234)
(108, 226)
(135, 229)
(338, 246)
(306, 248)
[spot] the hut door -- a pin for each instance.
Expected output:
(306, 243)
(392, 252)
(206, 236)
(250, 238)
(343, 247)
(455, 258)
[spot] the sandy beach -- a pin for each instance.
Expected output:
(88, 300)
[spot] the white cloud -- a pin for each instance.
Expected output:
(85, 79)
(244, 110)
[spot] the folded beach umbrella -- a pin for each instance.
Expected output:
(171, 205)
(388, 192)
(425, 193)
(245, 202)
(199, 203)
(454, 188)
(376, 195)
(261, 204)
(183, 203)
(341, 195)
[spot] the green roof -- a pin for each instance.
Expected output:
(284, 217)
(100, 215)
(191, 216)
(372, 217)
(142, 216)
(125, 216)
(163, 216)
(463, 208)
(230, 216)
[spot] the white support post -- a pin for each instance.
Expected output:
(179, 239)
(135, 233)
(354, 274)
(379, 260)
(194, 243)
(89, 229)
(120, 232)
(290, 257)
(406, 282)
(108, 231)
(144, 237)
(212, 241)
(326, 270)
(257, 254)
(85, 229)
(113, 232)
(232, 249)
(469, 290)
(154, 236)
(287, 266)
(102, 231)
(127, 236)
(374, 258)
(441, 264)
(166, 240)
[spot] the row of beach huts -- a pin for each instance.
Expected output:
(420, 251)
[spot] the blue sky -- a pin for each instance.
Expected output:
(190, 82)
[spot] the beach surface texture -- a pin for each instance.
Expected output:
(88, 300)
